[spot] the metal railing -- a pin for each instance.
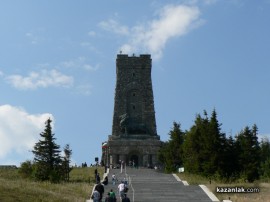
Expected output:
(133, 191)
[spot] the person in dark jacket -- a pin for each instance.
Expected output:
(105, 181)
(125, 199)
(100, 188)
(97, 178)
(108, 198)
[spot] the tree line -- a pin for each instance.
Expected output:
(48, 164)
(205, 150)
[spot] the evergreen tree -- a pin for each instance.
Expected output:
(193, 146)
(215, 146)
(229, 163)
(265, 149)
(204, 146)
(47, 158)
(163, 155)
(66, 162)
(248, 153)
(171, 153)
(175, 144)
(209, 145)
(265, 158)
(265, 169)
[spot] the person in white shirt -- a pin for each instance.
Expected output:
(114, 179)
(121, 188)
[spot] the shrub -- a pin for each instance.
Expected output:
(26, 169)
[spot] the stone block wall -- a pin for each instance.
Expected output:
(134, 134)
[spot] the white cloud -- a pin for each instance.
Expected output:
(90, 47)
(85, 89)
(151, 37)
(174, 21)
(46, 78)
(79, 63)
(85, 44)
(210, 1)
(33, 38)
(1, 73)
(263, 137)
(90, 67)
(114, 26)
(42, 79)
(196, 2)
(92, 33)
(19, 131)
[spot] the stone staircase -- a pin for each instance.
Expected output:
(148, 185)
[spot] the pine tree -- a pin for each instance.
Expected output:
(204, 146)
(248, 153)
(163, 155)
(265, 169)
(265, 158)
(208, 153)
(175, 144)
(229, 163)
(47, 160)
(193, 146)
(215, 142)
(66, 162)
(265, 149)
(171, 153)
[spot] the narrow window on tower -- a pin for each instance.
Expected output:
(134, 94)
(133, 107)
(133, 74)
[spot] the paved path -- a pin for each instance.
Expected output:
(148, 185)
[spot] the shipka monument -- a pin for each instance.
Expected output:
(134, 135)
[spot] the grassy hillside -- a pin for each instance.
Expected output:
(264, 187)
(15, 188)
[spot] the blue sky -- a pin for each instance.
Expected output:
(57, 59)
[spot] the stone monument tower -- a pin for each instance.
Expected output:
(134, 136)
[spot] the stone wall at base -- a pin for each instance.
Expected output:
(141, 152)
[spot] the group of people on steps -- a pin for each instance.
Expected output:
(111, 197)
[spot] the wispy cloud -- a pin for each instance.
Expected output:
(85, 89)
(90, 67)
(79, 63)
(172, 21)
(42, 79)
(210, 1)
(92, 33)
(19, 131)
(196, 2)
(114, 26)
(90, 47)
(53, 76)
(263, 137)
(34, 39)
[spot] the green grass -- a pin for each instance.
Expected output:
(15, 188)
(85, 174)
(264, 186)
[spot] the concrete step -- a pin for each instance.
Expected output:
(148, 185)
